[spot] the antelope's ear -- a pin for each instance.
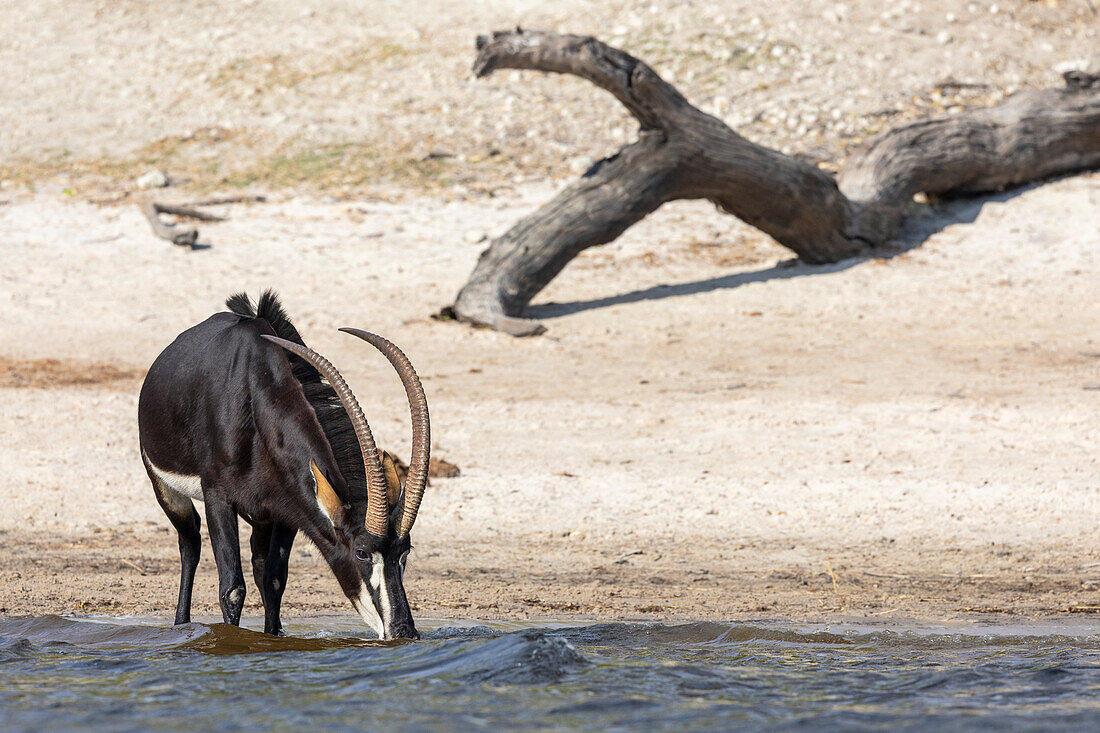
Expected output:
(393, 482)
(327, 497)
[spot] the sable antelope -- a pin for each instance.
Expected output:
(227, 417)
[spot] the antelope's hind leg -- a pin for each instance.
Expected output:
(183, 516)
(221, 518)
(270, 559)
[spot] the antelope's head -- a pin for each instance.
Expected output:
(379, 541)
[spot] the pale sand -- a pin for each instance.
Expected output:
(700, 434)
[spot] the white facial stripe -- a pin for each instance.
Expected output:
(378, 583)
(365, 607)
(189, 486)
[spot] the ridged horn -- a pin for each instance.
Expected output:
(417, 476)
(377, 522)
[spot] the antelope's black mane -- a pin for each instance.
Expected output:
(321, 397)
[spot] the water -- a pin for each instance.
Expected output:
(112, 674)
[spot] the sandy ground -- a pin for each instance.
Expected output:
(703, 432)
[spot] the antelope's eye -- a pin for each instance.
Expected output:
(361, 554)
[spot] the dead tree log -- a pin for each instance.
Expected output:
(684, 153)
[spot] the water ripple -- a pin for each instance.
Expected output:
(112, 675)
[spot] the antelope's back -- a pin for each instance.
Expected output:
(194, 405)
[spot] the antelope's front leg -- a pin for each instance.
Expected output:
(260, 542)
(222, 521)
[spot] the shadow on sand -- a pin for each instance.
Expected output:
(915, 230)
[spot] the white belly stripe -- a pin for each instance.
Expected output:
(189, 486)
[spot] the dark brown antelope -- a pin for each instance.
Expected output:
(229, 418)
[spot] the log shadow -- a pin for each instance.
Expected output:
(782, 271)
(919, 227)
(914, 232)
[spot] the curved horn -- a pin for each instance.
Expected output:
(377, 520)
(417, 475)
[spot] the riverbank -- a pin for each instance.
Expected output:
(693, 438)
(707, 430)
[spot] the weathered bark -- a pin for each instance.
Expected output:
(683, 153)
(183, 237)
(180, 237)
(613, 195)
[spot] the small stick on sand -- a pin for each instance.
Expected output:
(135, 567)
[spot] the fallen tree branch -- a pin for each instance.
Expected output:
(186, 212)
(177, 236)
(184, 237)
(684, 153)
(222, 200)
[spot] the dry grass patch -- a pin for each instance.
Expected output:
(54, 373)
